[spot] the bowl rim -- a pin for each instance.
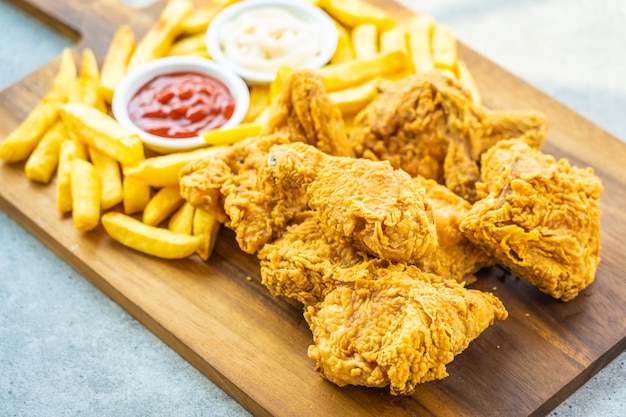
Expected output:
(328, 32)
(136, 79)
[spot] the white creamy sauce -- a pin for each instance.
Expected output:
(265, 38)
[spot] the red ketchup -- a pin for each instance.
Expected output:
(181, 105)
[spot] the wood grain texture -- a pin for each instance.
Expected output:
(224, 322)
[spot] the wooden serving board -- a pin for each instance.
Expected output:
(220, 318)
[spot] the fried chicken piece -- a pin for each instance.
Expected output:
(306, 114)
(380, 209)
(427, 124)
(230, 185)
(296, 264)
(540, 217)
(394, 325)
(456, 257)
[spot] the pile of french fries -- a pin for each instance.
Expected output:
(102, 172)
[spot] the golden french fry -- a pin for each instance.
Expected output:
(136, 195)
(182, 220)
(420, 32)
(161, 35)
(162, 170)
(230, 135)
(351, 73)
(116, 60)
(277, 85)
(259, 101)
(344, 51)
(194, 45)
(444, 49)
(365, 40)
(147, 239)
(87, 92)
(19, 144)
(101, 131)
(45, 158)
(263, 118)
(394, 39)
(467, 81)
(207, 228)
(89, 66)
(85, 195)
(71, 150)
(352, 13)
(110, 178)
(64, 78)
(198, 21)
(353, 100)
(165, 202)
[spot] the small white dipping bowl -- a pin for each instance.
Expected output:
(129, 86)
(327, 33)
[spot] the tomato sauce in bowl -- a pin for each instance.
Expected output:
(181, 105)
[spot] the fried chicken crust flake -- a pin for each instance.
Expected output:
(539, 216)
(394, 325)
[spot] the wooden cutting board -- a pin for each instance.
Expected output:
(220, 318)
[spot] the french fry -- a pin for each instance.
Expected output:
(194, 45)
(147, 239)
(344, 51)
(207, 228)
(353, 100)
(394, 39)
(358, 71)
(116, 60)
(444, 49)
(259, 100)
(230, 135)
(71, 149)
(161, 35)
(198, 21)
(89, 66)
(64, 78)
(85, 195)
(182, 220)
(110, 178)
(87, 92)
(44, 159)
(165, 202)
(365, 40)
(420, 36)
(136, 195)
(352, 13)
(277, 85)
(467, 81)
(19, 144)
(263, 118)
(101, 131)
(162, 170)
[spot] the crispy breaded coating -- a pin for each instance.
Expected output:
(378, 208)
(305, 113)
(427, 124)
(296, 265)
(393, 325)
(539, 216)
(456, 256)
(231, 186)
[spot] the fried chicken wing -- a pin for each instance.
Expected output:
(456, 256)
(427, 125)
(231, 186)
(380, 209)
(394, 325)
(306, 114)
(539, 216)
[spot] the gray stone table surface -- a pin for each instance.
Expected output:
(66, 349)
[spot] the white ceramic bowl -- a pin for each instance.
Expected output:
(144, 74)
(327, 32)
